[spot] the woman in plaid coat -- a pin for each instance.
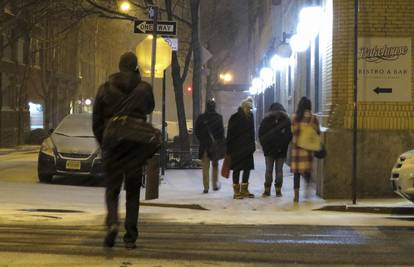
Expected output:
(301, 159)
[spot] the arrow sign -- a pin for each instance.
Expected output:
(380, 90)
(163, 27)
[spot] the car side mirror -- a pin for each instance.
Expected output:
(51, 131)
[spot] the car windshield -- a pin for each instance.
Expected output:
(77, 125)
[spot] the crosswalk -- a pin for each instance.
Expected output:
(288, 244)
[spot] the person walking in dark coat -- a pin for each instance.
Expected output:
(275, 135)
(123, 160)
(241, 146)
(209, 125)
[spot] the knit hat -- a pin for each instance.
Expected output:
(210, 105)
(128, 62)
(277, 107)
(247, 103)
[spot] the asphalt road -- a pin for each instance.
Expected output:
(19, 167)
(30, 238)
(217, 245)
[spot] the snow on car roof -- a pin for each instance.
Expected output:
(76, 125)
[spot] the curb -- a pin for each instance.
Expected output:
(369, 209)
(177, 206)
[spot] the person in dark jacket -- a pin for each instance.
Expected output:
(241, 146)
(275, 135)
(123, 160)
(209, 123)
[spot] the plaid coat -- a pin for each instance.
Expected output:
(301, 159)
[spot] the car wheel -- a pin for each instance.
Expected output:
(45, 178)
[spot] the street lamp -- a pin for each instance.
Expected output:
(266, 74)
(125, 6)
(88, 102)
(278, 63)
(299, 43)
(226, 77)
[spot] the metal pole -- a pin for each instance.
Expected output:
(164, 145)
(154, 47)
(355, 126)
(153, 168)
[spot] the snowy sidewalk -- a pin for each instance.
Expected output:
(184, 187)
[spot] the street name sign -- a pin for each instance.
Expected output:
(163, 27)
(384, 69)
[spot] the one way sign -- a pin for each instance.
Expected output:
(163, 27)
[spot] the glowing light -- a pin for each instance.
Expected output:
(125, 6)
(266, 74)
(252, 90)
(310, 22)
(226, 77)
(278, 63)
(88, 102)
(299, 43)
(257, 84)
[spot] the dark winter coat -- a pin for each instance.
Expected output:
(275, 134)
(109, 100)
(208, 121)
(241, 141)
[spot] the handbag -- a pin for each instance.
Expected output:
(225, 168)
(308, 138)
(121, 128)
(130, 129)
(321, 153)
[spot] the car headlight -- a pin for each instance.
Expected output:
(47, 147)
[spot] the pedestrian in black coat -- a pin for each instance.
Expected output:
(123, 160)
(209, 123)
(275, 135)
(241, 146)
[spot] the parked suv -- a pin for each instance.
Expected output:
(70, 150)
(402, 175)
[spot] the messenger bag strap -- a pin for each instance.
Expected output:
(209, 132)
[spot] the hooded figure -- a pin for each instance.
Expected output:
(241, 146)
(209, 123)
(122, 160)
(275, 135)
(110, 96)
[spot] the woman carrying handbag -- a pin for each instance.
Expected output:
(305, 141)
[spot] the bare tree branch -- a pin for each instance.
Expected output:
(187, 63)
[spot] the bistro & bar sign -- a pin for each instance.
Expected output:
(384, 69)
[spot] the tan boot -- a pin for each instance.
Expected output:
(278, 191)
(244, 191)
(266, 192)
(236, 189)
(296, 198)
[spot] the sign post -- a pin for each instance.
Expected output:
(165, 28)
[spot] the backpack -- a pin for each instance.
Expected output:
(275, 133)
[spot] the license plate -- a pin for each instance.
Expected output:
(73, 165)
